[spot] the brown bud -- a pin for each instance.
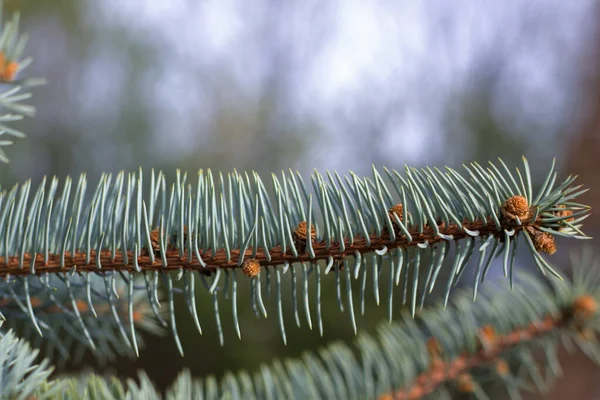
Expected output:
(564, 213)
(502, 368)
(396, 209)
(487, 333)
(138, 316)
(9, 71)
(544, 242)
(82, 306)
(155, 241)
(302, 231)
(465, 383)
(585, 306)
(251, 267)
(516, 207)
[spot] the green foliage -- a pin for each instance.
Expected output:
(212, 228)
(391, 361)
(103, 388)
(74, 314)
(13, 91)
(20, 377)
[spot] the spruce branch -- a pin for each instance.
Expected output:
(75, 313)
(223, 225)
(13, 91)
(461, 348)
(491, 347)
(20, 377)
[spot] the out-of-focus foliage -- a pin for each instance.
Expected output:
(465, 348)
(12, 62)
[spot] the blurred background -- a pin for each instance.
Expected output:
(302, 84)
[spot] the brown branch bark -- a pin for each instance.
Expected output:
(218, 260)
(491, 348)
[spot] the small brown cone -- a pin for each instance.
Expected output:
(155, 241)
(516, 207)
(302, 231)
(300, 235)
(502, 368)
(9, 71)
(397, 210)
(465, 383)
(544, 242)
(585, 306)
(251, 267)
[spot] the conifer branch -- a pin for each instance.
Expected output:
(74, 315)
(491, 348)
(225, 225)
(12, 95)
(209, 261)
(20, 377)
(460, 348)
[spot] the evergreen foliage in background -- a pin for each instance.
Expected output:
(86, 266)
